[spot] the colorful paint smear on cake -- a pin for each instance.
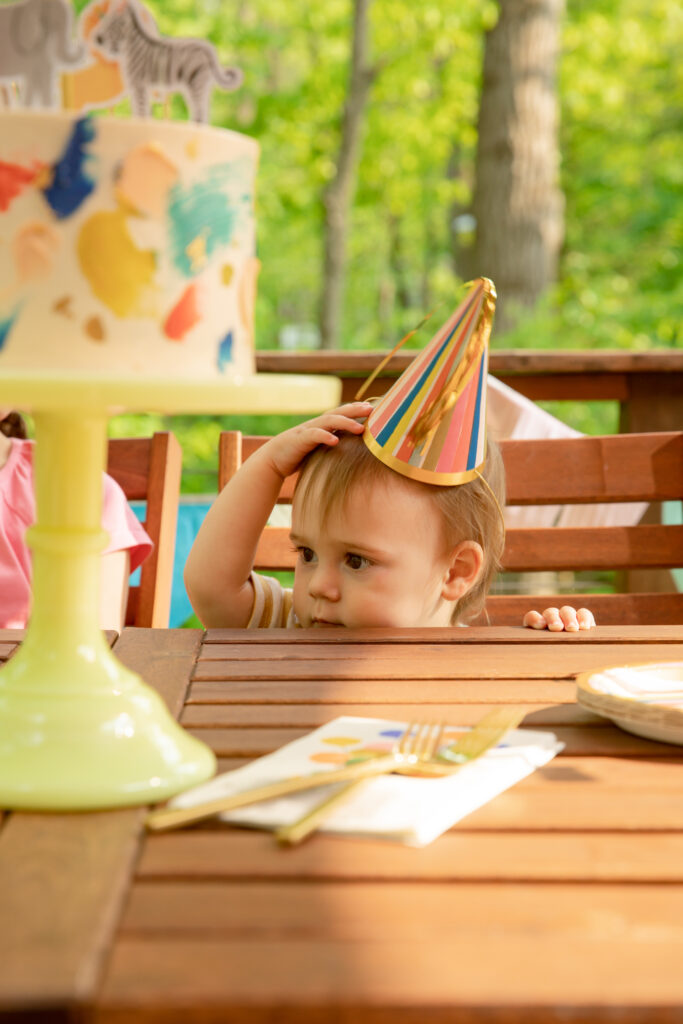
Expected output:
(34, 249)
(247, 295)
(184, 315)
(63, 306)
(14, 179)
(94, 328)
(202, 210)
(146, 176)
(120, 274)
(196, 252)
(6, 325)
(225, 352)
(71, 183)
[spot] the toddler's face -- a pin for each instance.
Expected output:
(378, 561)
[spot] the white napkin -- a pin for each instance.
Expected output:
(660, 683)
(405, 809)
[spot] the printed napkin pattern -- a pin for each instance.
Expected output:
(396, 807)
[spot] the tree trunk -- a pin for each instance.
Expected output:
(339, 194)
(518, 206)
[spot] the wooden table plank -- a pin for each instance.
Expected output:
(310, 716)
(446, 636)
(459, 855)
(63, 876)
(495, 972)
(229, 909)
(380, 691)
(578, 740)
(480, 663)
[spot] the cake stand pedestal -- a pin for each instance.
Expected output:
(78, 730)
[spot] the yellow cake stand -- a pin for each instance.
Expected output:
(78, 730)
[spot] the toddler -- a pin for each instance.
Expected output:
(375, 548)
(128, 546)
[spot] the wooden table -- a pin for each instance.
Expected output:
(561, 900)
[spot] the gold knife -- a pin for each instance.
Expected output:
(173, 817)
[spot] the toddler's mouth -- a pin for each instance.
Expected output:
(325, 622)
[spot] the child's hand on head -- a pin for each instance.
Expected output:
(558, 619)
(288, 449)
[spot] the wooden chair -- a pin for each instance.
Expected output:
(148, 469)
(576, 471)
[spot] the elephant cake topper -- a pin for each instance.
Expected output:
(120, 53)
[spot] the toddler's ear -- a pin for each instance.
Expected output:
(464, 565)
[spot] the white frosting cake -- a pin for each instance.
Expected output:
(126, 247)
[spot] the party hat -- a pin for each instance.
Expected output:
(431, 424)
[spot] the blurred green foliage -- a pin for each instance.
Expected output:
(620, 90)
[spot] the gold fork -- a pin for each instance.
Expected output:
(409, 753)
(420, 752)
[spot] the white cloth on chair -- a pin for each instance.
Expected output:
(513, 416)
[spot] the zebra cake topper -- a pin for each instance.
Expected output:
(150, 62)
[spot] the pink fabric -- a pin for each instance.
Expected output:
(17, 513)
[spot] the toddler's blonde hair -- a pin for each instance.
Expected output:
(470, 511)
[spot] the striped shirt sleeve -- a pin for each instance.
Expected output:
(273, 605)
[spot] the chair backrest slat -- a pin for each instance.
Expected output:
(609, 609)
(586, 470)
(148, 469)
(600, 547)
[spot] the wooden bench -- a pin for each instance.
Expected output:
(647, 385)
(614, 468)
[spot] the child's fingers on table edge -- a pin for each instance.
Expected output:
(569, 618)
(534, 620)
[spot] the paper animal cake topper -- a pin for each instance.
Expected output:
(127, 55)
(35, 43)
(431, 424)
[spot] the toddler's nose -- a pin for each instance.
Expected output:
(323, 583)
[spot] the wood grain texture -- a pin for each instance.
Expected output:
(63, 877)
(530, 856)
(499, 661)
(310, 716)
(560, 900)
(227, 909)
(379, 691)
(489, 635)
(578, 740)
(571, 363)
(491, 970)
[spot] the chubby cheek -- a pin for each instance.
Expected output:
(302, 600)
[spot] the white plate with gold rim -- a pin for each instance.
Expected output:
(645, 699)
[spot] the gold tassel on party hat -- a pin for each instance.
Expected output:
(431, 424)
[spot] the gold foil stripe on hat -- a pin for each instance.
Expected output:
(425, 476)
(427, 423)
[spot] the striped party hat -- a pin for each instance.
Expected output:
(431, 424)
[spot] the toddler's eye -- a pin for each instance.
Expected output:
(356, 561)
(306, 554)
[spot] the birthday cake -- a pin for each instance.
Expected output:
(127, 245)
